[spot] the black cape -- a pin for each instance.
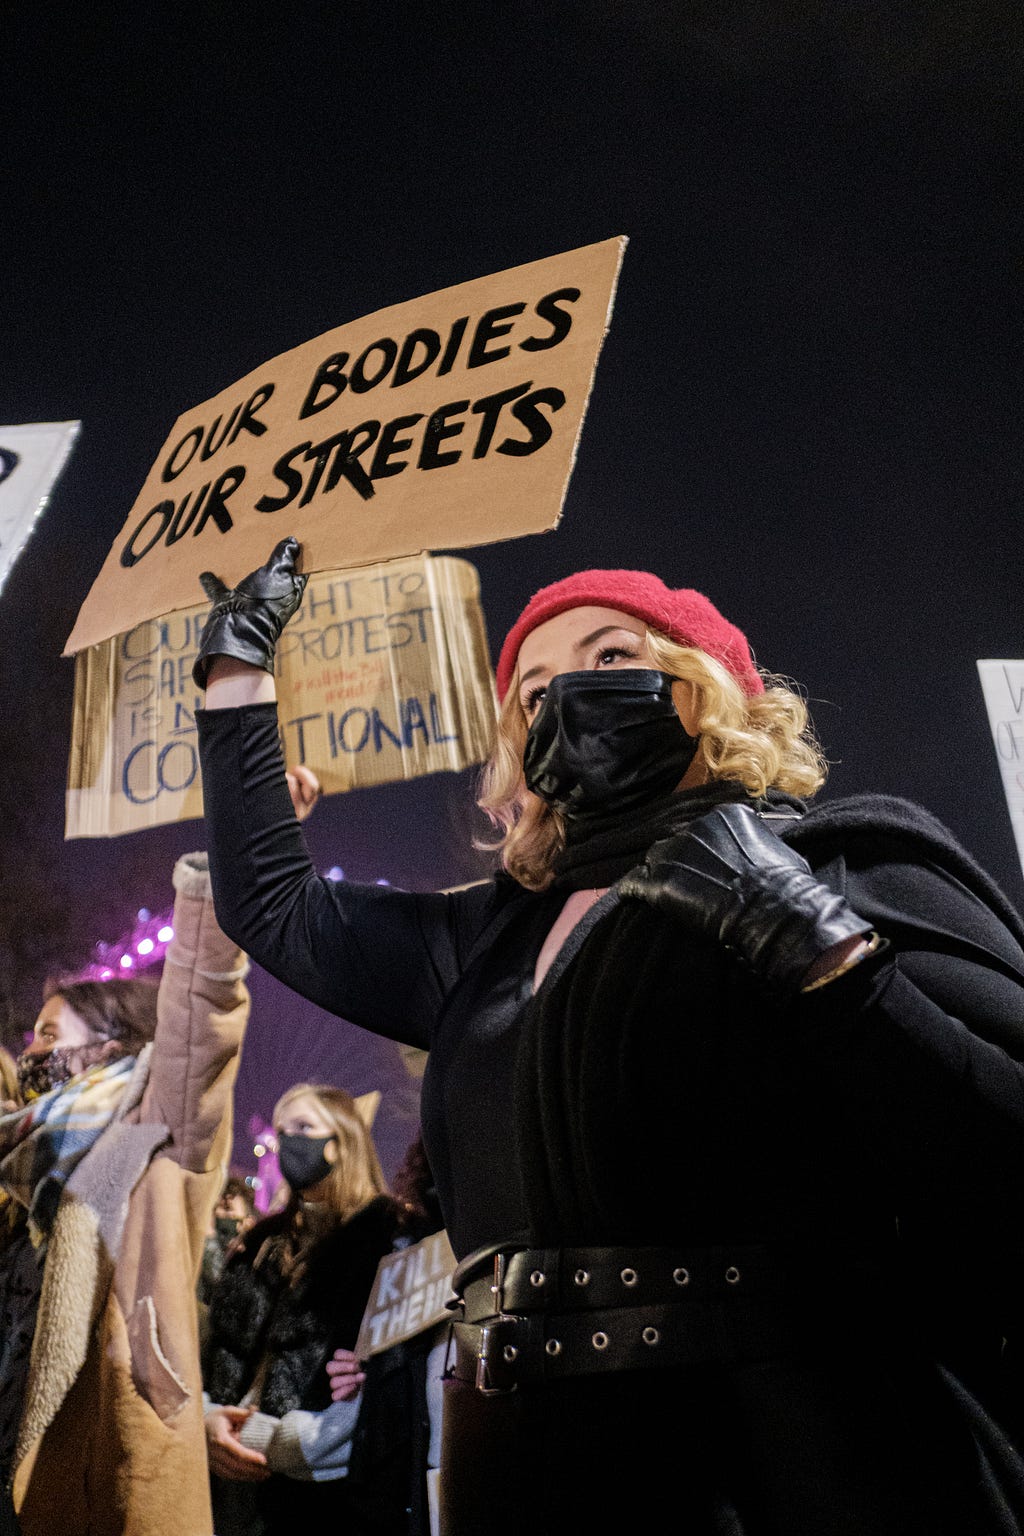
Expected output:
(875, 1125)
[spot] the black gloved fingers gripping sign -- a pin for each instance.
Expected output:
(246, 621)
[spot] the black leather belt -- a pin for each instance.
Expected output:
(537, 1314)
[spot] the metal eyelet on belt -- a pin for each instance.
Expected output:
(629, 1277)
(600, 1341)
(582, 1277)
(536, 1277)
(681, 1276)
(650, 1335)
(553, 1347)
(509, 1353)
(732, 1275)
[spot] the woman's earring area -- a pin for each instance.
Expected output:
(684, 697)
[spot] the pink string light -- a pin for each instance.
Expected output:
(140, 949)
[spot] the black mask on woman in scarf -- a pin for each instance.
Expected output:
(605, 742)
(302, 1159)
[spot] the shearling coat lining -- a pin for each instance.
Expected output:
(112, 1440)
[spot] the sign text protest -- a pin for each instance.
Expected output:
(382, 674)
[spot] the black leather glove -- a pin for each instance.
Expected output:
(729, 877)
(245, 621)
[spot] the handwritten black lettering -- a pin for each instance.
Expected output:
(438, 429)
(290, 477)
(188, 445)
(160, 516)
(452, 346)
(492, 324)
(489, 409)
(329, 376)
(548, 308)
(390, 445)
(216, 503)
(528, 413)
(405, 369)
(359, 379)
(248, 421)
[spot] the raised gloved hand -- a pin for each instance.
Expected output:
(246, 621)
(729, 877)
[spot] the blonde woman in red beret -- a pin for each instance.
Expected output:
(724, 1098)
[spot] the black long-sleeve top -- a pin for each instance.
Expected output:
(398, 963)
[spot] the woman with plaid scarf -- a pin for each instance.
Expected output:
(111, 1167)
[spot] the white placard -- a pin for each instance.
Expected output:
(31, 458)
(1002, 683)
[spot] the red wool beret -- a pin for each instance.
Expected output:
(686, 616)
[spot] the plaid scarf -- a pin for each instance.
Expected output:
(42, 1144)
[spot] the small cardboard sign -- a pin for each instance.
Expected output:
(1002, 683)
(410, 1294)
(383, 673)
(447, 421)
(31, 459)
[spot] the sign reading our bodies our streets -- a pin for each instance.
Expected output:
(383, 673)
(31, 459)
(440, 423)
(1002, 683)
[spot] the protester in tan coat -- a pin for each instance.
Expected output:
(111, 1439)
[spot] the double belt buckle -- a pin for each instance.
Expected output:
(497, 1350)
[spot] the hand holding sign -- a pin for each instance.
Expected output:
(305, 789)
(246, 621)
(347, 1376)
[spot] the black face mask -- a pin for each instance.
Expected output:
(605, 742)
(302, 1160)
(226, 1227)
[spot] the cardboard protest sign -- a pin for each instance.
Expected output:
(1002, 683)
(31, 459)
(444, 422)
(410, 1294)
(382, 674)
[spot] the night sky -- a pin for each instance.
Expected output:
(808, 405)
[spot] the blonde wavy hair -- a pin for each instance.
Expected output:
(764, 741)
(356, 1177)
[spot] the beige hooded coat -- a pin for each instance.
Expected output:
(112, 1441)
